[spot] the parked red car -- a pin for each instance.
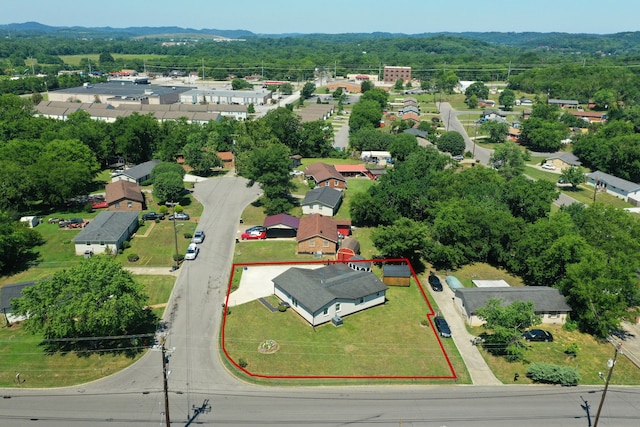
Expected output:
(254, 235)
(100, 205)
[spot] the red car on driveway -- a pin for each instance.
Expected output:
(259, 234)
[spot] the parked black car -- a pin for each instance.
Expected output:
(152, 216)
(442, 326)
(435, 283)
(537, 335)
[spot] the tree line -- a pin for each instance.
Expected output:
(459, 216)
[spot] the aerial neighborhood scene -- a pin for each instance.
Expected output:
(370, 220)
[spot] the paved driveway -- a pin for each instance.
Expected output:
(476, 365)
(256, 282)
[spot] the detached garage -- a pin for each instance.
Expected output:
(281, 225)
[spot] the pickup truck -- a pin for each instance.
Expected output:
(152, 216)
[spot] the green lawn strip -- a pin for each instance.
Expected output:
(592, 358)
(268, 251)
(385, 340)
(157, 249)
(21, 352)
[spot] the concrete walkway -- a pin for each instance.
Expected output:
(476, 365)
(154, 271)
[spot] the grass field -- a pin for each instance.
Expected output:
(94, 58)
(20, 351)
(592, 358)
(396, 344)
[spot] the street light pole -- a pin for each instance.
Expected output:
(167, 419)
(611, 363)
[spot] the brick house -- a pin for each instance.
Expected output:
(124, 196)
(317, 234)
(325, 175)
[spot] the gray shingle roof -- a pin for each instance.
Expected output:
(9, 292)
(544, 299)
(107, 227)
(569, 158)
(326, 196)
(614, 181)
(391, 270)
(140, 171)
(314, 289)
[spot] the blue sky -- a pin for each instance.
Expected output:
(337, 16)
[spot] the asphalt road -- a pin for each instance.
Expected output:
(134, 396)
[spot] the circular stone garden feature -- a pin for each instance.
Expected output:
(268, 347)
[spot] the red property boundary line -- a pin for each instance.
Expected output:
(429, 315)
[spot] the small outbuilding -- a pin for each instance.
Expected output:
(31, 221)
(281, 225)
(349, 247)
(396, 274)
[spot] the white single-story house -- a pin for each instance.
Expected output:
(548, 302)
(138, 173)
(335, 290)
(615, 186)
(106, 232)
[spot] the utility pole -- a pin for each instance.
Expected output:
(611, 363)
(167, 419)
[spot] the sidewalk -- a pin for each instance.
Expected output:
(154, 271)
(476, 365)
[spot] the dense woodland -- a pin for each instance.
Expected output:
(450, 217)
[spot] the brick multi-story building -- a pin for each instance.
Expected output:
(392, 74)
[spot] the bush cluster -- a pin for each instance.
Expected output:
(553, 374)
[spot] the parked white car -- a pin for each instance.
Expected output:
(192, 252)
(198, 237)
(548, 167)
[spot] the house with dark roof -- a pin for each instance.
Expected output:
(563, 160)
(324, 175)
(548, 302)
(564, 103)
(615, 186)
(317, 234)
(106, 233)
(322, 200)
(124, 196)
(281, 225)
(331, 291)
(137, 174)
(9, 292)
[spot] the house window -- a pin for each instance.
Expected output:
(129, 204)
(312, 243)
(336, 183)
(117, 205)
(325, 244)
(337, 307)
(101, 243)
(326, 184)
(326, 311)
(554, 314)
(361, 301)
(294, 302)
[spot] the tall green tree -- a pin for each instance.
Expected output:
(365, 114)
(239, 84)
(168, 187)
(508, 159)
(507, 99)
(97, 298)
(17, 244)
(479, 89)
(307, 90)
(497, 131)
(573, 175)
(404, 238)
(451, 142)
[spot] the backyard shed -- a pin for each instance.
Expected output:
(396, 274)
(348, 249)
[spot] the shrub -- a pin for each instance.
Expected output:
(282, 308)
(242, 363)
(126, 244)
(572, 350)
(570, 325)
(88, 208)
(178, 257)
(133, 257)
(553, 374)
(188, 235)
(424, 322)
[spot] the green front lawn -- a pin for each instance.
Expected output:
(20, 351)
(592, 358)
(386, 340)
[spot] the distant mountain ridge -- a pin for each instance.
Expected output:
(554, 40)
